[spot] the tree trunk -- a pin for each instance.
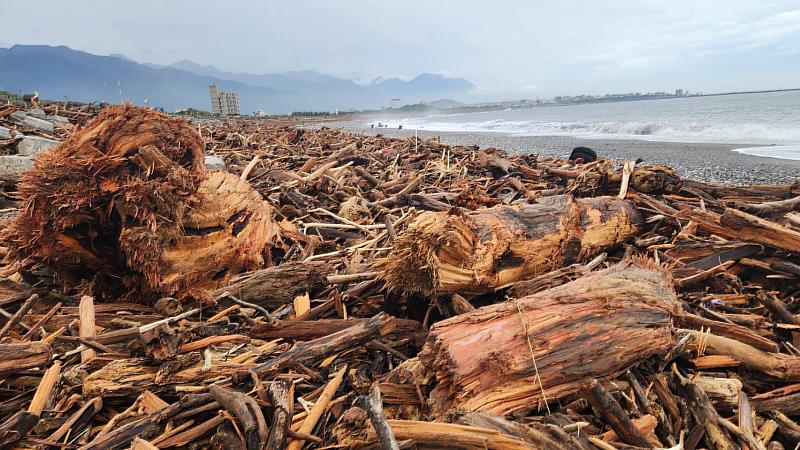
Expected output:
(484, 361)
(482, 251)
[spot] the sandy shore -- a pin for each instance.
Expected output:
(713, 163)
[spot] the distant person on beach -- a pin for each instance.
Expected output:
(582, 155)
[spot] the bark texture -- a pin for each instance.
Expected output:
(126, 202)
(511, 357)
(489, 249)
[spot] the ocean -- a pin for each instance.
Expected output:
(769, 121)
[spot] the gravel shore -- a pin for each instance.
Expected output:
(713, 163)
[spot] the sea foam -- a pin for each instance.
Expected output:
(775, 151)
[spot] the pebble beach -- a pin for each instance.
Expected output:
(712, 163)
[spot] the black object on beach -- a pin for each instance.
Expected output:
(583, 155)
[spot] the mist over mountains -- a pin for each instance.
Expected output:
(56, 72)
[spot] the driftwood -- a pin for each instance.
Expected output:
(16, 358)
(490, 249)
(627, 307)
(277, 286)
(127, 199)
(299, 316)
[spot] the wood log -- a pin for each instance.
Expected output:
(15, 358)
(541, 436)
(731, 330)
(482, 251)
(745, 194)
(301, 330)
(509, 357)
(776, 207)
(145, 425)
(747, 227)
(13, 321)
(776, 365)
(378, 326)
(279, 285)
(436, 436)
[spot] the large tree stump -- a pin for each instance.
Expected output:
(513, 356)
(485, 250)
(127, 203)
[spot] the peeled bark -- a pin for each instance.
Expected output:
(483, 360)
(482, 251)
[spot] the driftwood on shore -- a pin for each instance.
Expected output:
(332, 290)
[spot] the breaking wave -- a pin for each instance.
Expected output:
(777, 151)
(667, 131)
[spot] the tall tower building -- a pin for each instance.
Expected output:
(223, 103)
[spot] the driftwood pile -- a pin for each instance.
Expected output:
(331, 290)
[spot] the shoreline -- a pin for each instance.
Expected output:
(712, 163)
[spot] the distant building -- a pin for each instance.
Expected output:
(223, 103)
(259, 113)
(395, 103)
(678, 92)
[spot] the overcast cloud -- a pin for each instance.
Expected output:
(507, 48)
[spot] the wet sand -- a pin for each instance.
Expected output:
(713, 163)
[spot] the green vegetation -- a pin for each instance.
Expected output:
(192, 112)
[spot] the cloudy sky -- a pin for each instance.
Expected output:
(508, 48)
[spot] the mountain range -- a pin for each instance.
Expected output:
(56, 72)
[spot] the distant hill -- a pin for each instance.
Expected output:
(56, 72)
(445, 103)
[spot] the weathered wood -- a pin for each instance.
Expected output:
(16, 358)
(513, 356)
(747, 227)
(20, 424)
(280, 394)
(612, 413)
(481, 251)
(247, 412)
(301, 330)
(77, 421)
(705, 415)
(730, 330)
(14, 320)
(359, 334)
(541, 436)
(319, 408)
(279, 285)
(373, 406)
(434, 435)
(86, 323)
(145, 425)
(777, 365)
(776, 207)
